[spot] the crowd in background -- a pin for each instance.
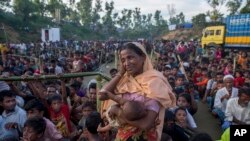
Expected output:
(66, 109)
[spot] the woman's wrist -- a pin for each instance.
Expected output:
(119, 74)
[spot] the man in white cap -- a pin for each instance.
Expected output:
(223, 95)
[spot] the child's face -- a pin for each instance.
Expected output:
(179, 82)
(246, 74)
(29, 134)
(182, 102)
(34, 113)
(181, 116)
(220, 85)
(198, 70)
(174, 71)
(237, 74)
(56, 105)
(86, 111)
(204, 73)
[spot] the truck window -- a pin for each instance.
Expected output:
(205, 33)
(218, 32)
(211, 32)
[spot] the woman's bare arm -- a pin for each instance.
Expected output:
(112, 84)
(116, 98)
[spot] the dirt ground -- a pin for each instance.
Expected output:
(206, 122)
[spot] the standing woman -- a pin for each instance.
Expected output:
(138, 76)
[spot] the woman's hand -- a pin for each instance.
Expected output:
(103, 95)
(173, 98)
(121, 69)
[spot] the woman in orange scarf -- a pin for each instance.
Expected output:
(138, 76)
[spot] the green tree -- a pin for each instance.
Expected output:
(137, 18)
(74, 16)
(215, 14)
(181, 17)
(233, 6)
(174, 20)
(108, 24)
(85, 7)
(23, 9)
(160, 24)
(199, 20)
(246, 8)
(4, 3)
(52, 6)
(96, 17)
(40, 6)
(157, 17)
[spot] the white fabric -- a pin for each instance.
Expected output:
(220, 93)
(233, 109)
(58, 70)
(190, 120)
(210, 84)
(228, 76)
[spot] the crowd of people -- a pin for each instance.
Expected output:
(149, 98)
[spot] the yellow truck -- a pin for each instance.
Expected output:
(234, 35)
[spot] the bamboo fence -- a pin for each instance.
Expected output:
(51, 77)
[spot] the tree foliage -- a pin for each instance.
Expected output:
(85, 7)
(246, 8)
(233, 6)
(4, 3)
(215, 14)
(24, 9)
(81, 18)
(199, 20)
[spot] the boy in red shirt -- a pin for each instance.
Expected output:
(239, 80)
(197, 75)
(60, 115)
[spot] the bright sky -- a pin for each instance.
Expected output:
(188, 7)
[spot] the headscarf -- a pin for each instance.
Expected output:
(150, 83)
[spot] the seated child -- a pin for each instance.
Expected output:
(184, 101)
(175, 124)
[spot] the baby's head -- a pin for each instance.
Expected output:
(134, 110)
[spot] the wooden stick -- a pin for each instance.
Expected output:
(51, 77)
(182, 67)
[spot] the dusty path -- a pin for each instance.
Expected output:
(206, 122)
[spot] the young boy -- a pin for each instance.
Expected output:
(179, 85)
(60, 115)
(92, 123)
(13, 116)
(35, 108)
(87, 109)
(34, 129)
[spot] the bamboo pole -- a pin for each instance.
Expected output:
(116, 59)
(151, 54)
(99, 86)
(49, 77)
(182, 67)
(14, 55)
(234, 65)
